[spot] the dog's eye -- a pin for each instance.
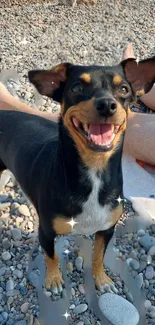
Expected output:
(123, 90)
(77, 88)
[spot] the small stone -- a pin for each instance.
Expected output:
(12, 293)
(146, 284)
(147, 241)
(149, 273)
(135, 264)
(18, 273)
(147, 304)
(23, 209)
(70, 267)
(141, 233)
(24, 308)
(151, 251)
(80, 323)
(15, 206)
(139, 280)
(79, 263)
(133, 254)
(5, 315)
(72, 306)
(81, 288)
(10, 322)
(23, 290)
(21, 322)
(16, 234)
(3, 206)
(73, 292)
(152, 314)
(9, 285)
(142, 266)
(122, 311)
(6, 243)
(80, 309)
(48, 294)
(6, 256)
(2, 271)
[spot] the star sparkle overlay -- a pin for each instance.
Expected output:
(72, 223)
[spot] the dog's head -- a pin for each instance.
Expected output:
(95, 101)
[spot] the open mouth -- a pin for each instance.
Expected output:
(99, 136)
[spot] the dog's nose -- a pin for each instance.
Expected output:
(106, 106)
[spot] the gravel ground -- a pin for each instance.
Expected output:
(41, 36)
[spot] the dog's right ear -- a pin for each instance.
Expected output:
(50, 83)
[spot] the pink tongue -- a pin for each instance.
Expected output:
(100, 133)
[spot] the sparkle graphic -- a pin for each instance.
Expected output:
(67, 251)
(137, 60)
(72, 223)
(66, 315)
(119, 199)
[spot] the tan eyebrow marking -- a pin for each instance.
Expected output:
(117, 80)
(86, 77)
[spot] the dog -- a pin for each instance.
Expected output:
(71, 171)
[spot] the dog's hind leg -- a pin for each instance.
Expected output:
(53, 275)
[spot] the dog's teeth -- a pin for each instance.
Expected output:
(85, 126)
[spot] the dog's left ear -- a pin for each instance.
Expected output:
(50, 83)
(140, 75)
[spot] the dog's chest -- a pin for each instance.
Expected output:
(94, 217)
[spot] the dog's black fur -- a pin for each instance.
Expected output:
(44, 156)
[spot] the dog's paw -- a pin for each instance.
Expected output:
(54, 282)
(101, 279)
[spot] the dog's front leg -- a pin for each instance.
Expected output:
(102, 239)
(54, 279)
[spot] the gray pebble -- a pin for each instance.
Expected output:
(9, 285)
(152, 314)
(143, 265)
(23, 209)
(139, 280)
(5, 315)
(151, 251)
(21, 322)
(79, 263)
(141, 232)
(2, 271)
(147, 241)
(80, 309)
(18, 273)
(147, 304)
(135, 264)
(16, 234)
(6, 256)
(122, 311)
(80, 323)
(12, 293)
(6, 243)
(149, 273)
(81, 288)
(25, 307)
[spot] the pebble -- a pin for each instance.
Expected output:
(147, 304)
(6, 243)
(147, 241)
(141, 232)
(23, 209)
(118, 310)
(2, 271)
(152, 314)
(80, 309)
(18, 273)
(81, 288)
(80, 323)
(24, 308)
(12, 293)
(6, 256)
(70, 267)
(151, 251)
(9, 285)
(139, 280)
(135, 264)
(4, 205)
(16, 234)
(79, 263)
(5, 315)
(149, 273)
(21, 322)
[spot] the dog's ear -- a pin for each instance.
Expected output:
(141, 75)
(50, 83)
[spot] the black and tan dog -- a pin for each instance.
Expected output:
(72, 170)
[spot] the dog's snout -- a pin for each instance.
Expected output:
(106, 106)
